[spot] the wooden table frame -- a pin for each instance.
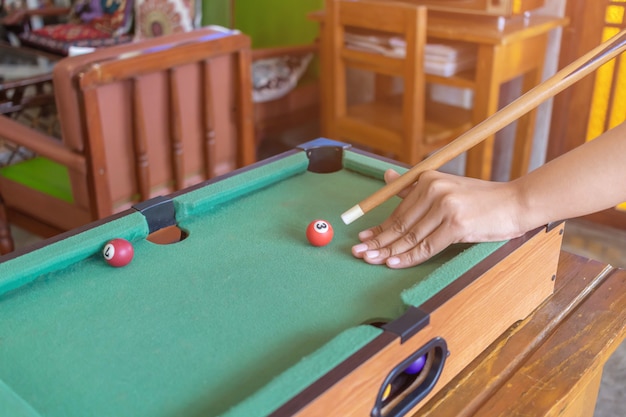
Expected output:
(506, 48)
(550, 363)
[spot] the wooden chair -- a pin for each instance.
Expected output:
(137, 120)
(402, 125)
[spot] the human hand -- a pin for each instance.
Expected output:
(437, 211)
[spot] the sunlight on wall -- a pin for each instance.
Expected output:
(608, 105)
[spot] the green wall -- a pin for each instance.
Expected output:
(267, 22)
(216, 12)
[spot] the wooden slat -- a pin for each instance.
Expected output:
(370, 61)
(371, 135)
(117, 68)
(140, 141)
(6, 239)
(393, 20)
(100, 192)
(208, 128)
(175, 126)
(291, 50)
(245, 120)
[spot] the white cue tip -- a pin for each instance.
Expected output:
(352, 214)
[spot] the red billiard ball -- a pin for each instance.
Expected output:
(118, 252)
(319, 233)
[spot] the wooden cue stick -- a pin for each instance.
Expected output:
(567, 76)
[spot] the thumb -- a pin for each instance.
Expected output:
(391, 176)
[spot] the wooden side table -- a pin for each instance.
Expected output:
(506, 48)
(550, 363)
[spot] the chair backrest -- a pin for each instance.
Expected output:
(156, 116)
(385, 125)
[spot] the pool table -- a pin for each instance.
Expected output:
(227, 310)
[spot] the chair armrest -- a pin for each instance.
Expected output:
(41, 144)
(25, 82)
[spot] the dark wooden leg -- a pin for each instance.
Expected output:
(6, 240)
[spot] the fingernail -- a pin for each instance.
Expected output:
(366, 234)
(372, 254)
(393, 261)
(362, 247)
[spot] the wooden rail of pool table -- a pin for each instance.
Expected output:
(499, 293)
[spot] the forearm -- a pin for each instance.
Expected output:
(587, 179)
(441, 209)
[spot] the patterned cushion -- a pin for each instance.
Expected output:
(163, 17)
(99, 23)
(273, 78)
(62, 46)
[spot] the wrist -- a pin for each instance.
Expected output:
(525, 211)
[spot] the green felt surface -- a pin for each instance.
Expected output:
(41, 174)
(234, 320)
(66, 253)
(12, 405)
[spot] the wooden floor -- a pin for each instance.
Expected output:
(607, 245)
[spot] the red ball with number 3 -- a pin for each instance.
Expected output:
(319, 233)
